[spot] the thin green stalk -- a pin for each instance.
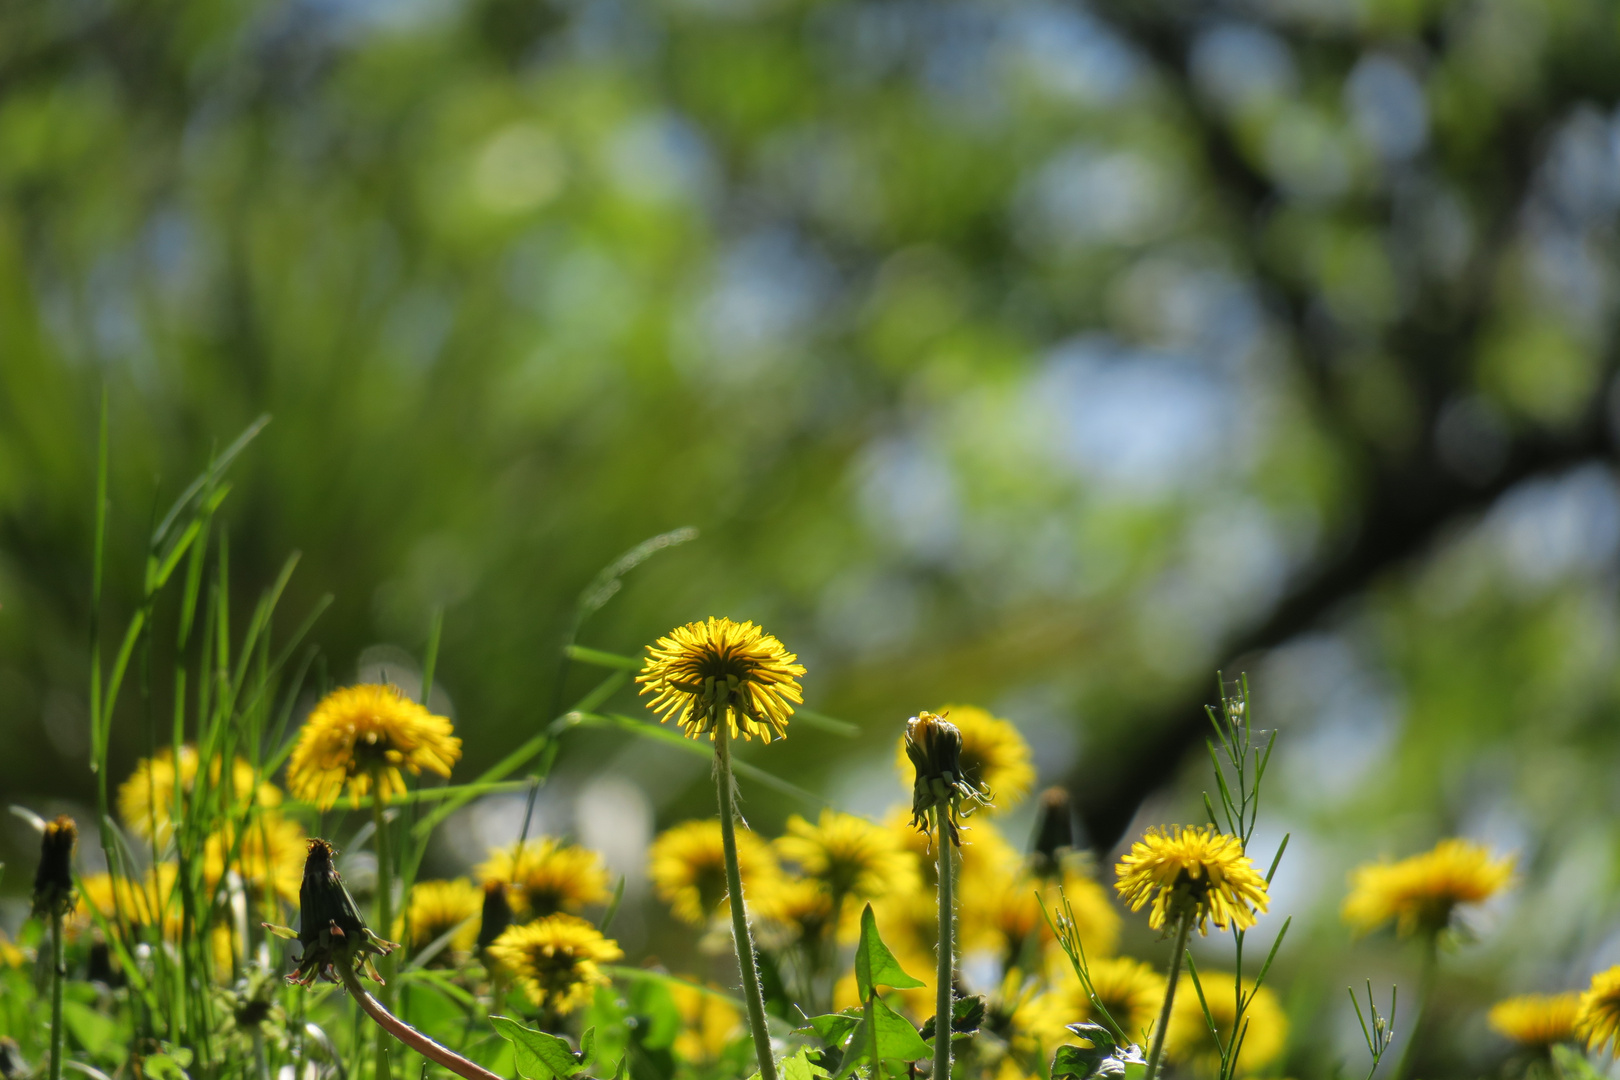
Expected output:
(385, 926)
(739, 914)
(1183, 931)
(58, 976)
(1426, 980)
(946, 974)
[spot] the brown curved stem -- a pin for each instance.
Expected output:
(408, 1035)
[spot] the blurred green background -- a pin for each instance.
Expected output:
(1048, 356)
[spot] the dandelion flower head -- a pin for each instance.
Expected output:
(1002, 912)
(1199, 867)
(1421, 893)
(688, 868)
(800, 908)
(709, 1024)
(435, 908)
(146, 799)
(1536, 1020)
(1129, 989)
(362, 737)
(853, 857)
(704, 673)
(268, 853)
(1265, 1026)
(547, 876)
(1598, 1019)
(556, 960)
(993, 755)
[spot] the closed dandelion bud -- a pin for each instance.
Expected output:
(497, 914)
(331, 929)
(934, 747)
(53, 881)
(1054, 831)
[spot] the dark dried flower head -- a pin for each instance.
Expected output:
(934, 746)
(330, 927)
(53, 881)
(1054, 832)
(497, 914)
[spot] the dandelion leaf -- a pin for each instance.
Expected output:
(875, 965)
(833, 1028)
(798, 1066)
(967, 1014)
(538, 1055)
(897, 1039)
(1101, 1058)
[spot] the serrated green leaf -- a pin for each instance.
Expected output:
(833, 1028)
(897, 1040)
(875, 965)
(92, 1029)
(966, 1015)
(798, 1066)
(539, 1055)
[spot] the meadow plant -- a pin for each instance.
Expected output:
(923, 940)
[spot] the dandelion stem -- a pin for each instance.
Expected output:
(1183, 931)
(385, 924)
(1426, 981)
(408, 1035)
(739, 914)
(943, 1012)
(58, 976)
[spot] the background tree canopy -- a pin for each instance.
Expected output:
(1042, 355)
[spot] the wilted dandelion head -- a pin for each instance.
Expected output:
(688, 868)
(362, 737)
(267, 853)
(496, 914)
(436, 908)
(1536, 1020)
(146, 799)
(709, 1024)
(1421, 893)
(993, 755)
(53, 878)
(547, 876)
(852, 857)
(556, 960)
(706, 673)
(331, 930)
(1129, 989)
(1597, 1020)
(1192, 870)
(1188, 1040)
(939, 788)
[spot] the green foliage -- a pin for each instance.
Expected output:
(540, 1055)
(1100, 1057)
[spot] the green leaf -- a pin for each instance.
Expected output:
(897, 1040)
(875, 965)
(798, 1066)
(1102, 1058)
(539, 1054)
(966, 1015)
(93, 1030)
(833, 1028)
(163, 1067)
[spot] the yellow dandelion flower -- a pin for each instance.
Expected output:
(993, 754)
(800, 908)
(1003, 912)
(1199, 867)
(547, 876)
(437, 907)
(10, 955)
(362, 736)
(854, 858)
(144, 903)
(556, 960)
(1188, 1039)
(704, 672)
(146, 799)
(1536, 1020)
(1598, 1018)
(1130, 990)
(270, 855)
(709, 1022)
(1421, 893)
(688, 869)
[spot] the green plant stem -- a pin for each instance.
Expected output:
(385, 925)
(946, 972)
(1183, 931)
(58, 976)
(415, 1040)
(1426, 980)
(739, 914)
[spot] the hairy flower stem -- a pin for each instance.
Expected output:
(739, 914)
(1183, 931)
(413, 1039)
(943, 1012)
(385, 921)
(58, 976)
